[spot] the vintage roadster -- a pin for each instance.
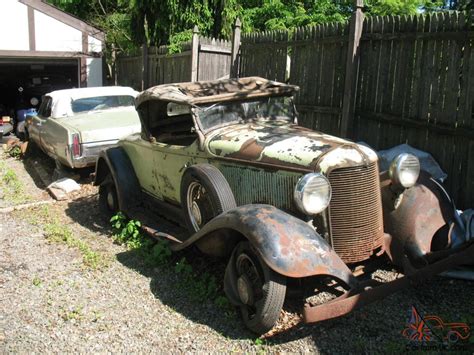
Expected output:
(288, 206)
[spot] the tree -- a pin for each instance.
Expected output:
(155, 22)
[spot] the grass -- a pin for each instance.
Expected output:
(13, 188)
(57, 232)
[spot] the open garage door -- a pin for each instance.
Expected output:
(35, 77)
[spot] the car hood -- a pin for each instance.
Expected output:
(287, 146)
(104, 125)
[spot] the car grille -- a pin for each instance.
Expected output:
(355, 212)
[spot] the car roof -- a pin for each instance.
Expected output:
(62, 98)
(200, 92)
(81, 93)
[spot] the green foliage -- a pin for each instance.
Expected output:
(400, 7)
(176, 41)
(37, 281)
(14, 152)
(129, 24)
(182, 267)
(127, 232)
(159, 254)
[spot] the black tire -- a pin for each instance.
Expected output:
(263, 308)
(216, 198)
(108, 198)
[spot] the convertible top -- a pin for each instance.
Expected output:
(200, 92)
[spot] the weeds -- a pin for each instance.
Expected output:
(127, 232)
(199, 286)
(14, 152)
(72, 314)
(37, 281)
(12, 186)
(56, 232)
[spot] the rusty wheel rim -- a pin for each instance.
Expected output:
(199, 206)
(246, 267)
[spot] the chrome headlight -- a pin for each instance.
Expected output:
(404, 170)
(312, 193)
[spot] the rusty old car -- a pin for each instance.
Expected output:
(290, 208)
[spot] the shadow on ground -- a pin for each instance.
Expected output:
(86, 211)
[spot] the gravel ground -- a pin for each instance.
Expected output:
(50, 301)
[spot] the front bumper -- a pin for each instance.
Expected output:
(90, 152)
(371, 291)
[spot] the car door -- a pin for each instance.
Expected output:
(141, 151)
(35, 127)
(171, 161)
(54, 138)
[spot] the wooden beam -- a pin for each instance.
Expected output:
(234, 64)
(352, 63)
(64, 17)
(83, 62)
(31, 28)
(46, 54)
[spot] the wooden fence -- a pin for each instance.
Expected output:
(413, 83)
(200, 59)
(382, 80)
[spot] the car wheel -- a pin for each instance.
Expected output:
(260, 289)
(205, 193)
(108, 199)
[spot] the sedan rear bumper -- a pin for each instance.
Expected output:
(90, 153)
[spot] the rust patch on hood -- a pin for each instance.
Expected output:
(286, 146)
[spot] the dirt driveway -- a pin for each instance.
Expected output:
(66, 286)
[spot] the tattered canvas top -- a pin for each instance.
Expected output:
(215, 91)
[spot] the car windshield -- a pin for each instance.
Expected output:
(100, 103)
(266, 109)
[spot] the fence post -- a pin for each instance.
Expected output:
(114, 66)
(195, 54)
(355, 32)
(234, 64)
(144, 66)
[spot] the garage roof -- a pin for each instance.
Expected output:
(64, 17)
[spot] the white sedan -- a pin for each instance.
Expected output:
(74, 125)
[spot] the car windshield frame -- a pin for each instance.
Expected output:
(101, 103)
(247, 112)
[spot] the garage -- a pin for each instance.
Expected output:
(43, 49)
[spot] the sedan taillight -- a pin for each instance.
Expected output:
(76, 146)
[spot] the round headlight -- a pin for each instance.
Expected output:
(404, 170)
(312, 193)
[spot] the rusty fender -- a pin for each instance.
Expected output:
(417, 220)
(116, 161)
(288, 245)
